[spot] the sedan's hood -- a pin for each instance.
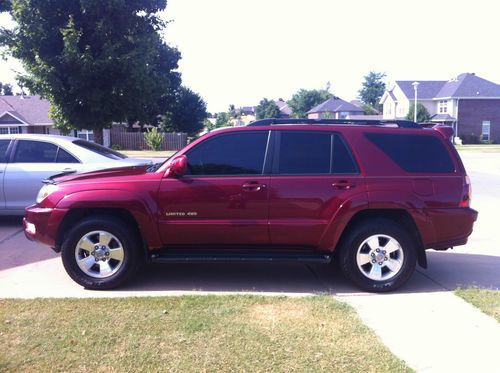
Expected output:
(110, 172)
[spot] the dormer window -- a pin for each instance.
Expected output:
(443, 107)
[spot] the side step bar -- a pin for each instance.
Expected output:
(186, 257)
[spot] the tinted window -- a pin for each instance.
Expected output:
(35, 152)
(304, 153)
(414, 153)
(343, 162)
(232, 154)
(64, 157)
(99, 149)
(4, 144)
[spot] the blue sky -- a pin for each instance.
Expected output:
(239, 51)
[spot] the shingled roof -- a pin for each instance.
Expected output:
(333, 105)
(465, 85)
(31, 110)
(469, 85)
(427, 89)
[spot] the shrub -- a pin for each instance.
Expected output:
(153, 138)
(116, 147)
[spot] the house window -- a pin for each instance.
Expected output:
(443, 107)
(86, 135)
(8, 130)
(486, 131)
(344, 114)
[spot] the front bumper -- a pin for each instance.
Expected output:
(41, 224)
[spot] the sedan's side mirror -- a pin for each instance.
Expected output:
(177, 167)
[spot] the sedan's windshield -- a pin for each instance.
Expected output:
(99, 149)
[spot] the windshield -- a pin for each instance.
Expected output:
(99, 149)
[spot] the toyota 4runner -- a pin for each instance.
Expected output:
(371, 195)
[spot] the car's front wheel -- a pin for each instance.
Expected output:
(101, 253)
(378, 255)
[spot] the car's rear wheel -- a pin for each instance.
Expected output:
(101, 253)
(378, 255)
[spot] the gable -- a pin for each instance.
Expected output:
(7, 118)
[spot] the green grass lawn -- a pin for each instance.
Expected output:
(189, 334)
(487, 301)
(147, 153)
(481, 148)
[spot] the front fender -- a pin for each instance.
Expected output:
(143, 210)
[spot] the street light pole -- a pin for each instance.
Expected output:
(415, 87)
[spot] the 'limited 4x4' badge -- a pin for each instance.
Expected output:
(181, 213)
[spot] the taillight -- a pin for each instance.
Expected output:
(466, 193)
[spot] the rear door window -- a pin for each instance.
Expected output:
(414, 153)
(28, 151)
(4, 145)
(313, 153)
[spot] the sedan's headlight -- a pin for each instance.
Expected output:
(45, 191)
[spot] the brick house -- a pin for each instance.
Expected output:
(335, 108)
(468, 103)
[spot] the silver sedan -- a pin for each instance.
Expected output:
(25, 160)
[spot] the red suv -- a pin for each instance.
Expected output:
(372, 195)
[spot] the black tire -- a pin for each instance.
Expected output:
(357, 242)
(120, 271)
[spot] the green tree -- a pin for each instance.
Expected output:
(97, 62)
(373, 87)
(369, 110)
(222, 120)
(267, 109)
(187, 114)
(304, 100)
(422, 113)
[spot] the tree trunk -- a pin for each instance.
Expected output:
(98, 136)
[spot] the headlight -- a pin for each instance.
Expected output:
(45, 191)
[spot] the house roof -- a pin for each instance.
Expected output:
(466, 85)
(427, 89)
(443, 118)
(333, 105)
(32, 110)
(284, 108)
(469, 85)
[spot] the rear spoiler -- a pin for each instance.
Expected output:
(445, 131)
(50, 179)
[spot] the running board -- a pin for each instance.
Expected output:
(186, 257)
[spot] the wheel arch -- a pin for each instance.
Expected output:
(398, 216)
(77, 214)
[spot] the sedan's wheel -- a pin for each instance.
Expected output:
(101, 253)
(378, 255)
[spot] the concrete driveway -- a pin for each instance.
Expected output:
(423, 323)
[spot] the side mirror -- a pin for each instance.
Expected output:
(177, 167)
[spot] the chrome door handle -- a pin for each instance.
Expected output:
(253, 186)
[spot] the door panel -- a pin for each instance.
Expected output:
(224, 198)
(214, 210)
(22, 181)
(313, 175)
(302, 206)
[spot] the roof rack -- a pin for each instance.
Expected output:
(369, 122)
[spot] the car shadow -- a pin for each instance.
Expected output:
(447, 271)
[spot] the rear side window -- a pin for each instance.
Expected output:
(314, 153)
(229, 154)
(414, 153)
(64, 157)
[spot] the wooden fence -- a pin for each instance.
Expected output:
(135, 140)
